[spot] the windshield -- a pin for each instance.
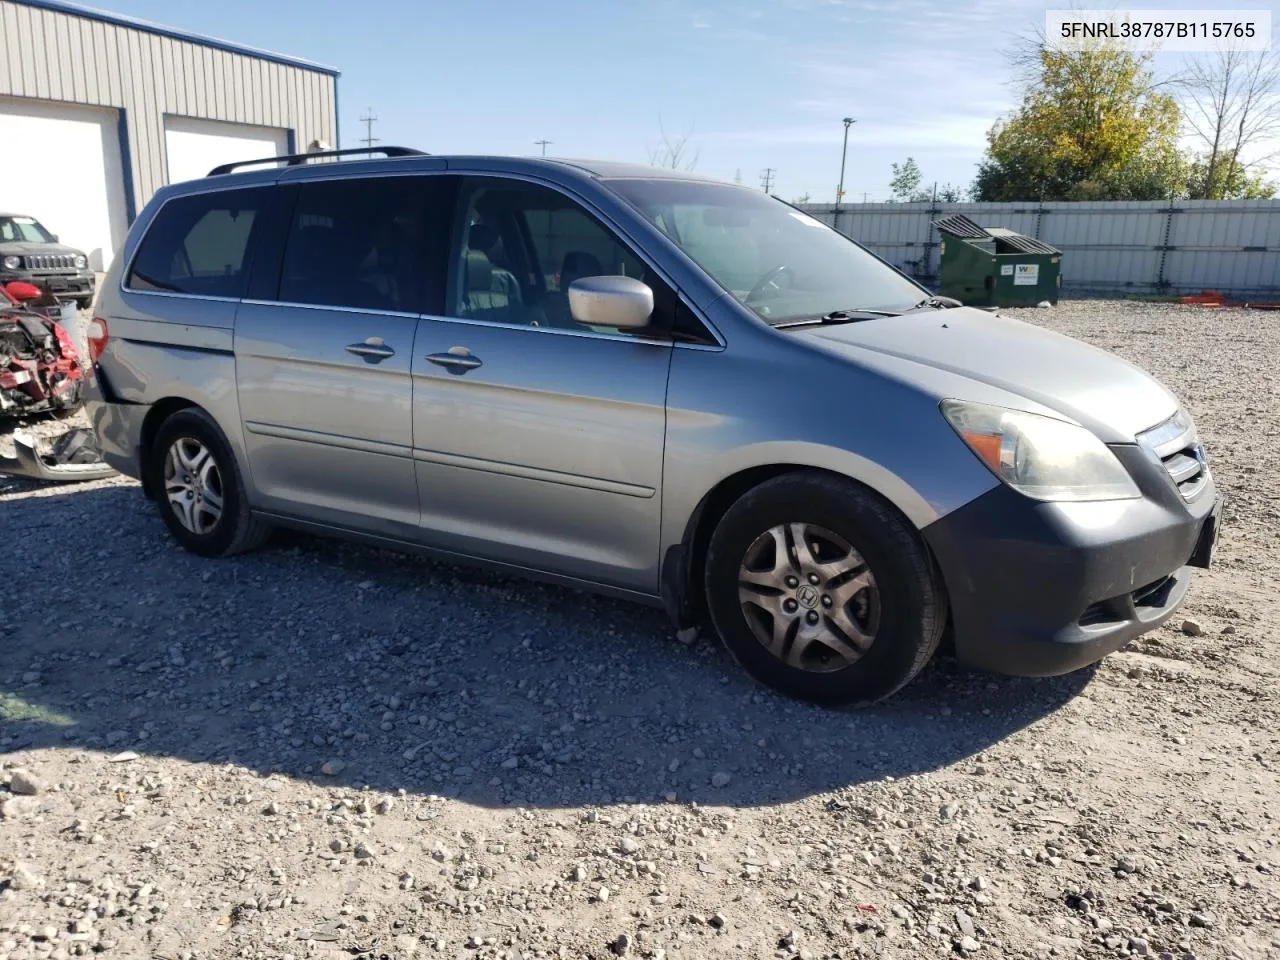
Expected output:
(782, 264)
(23, 229)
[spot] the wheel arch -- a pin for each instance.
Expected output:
(682, 562)
(160, 411)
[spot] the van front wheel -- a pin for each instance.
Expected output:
(822, 591)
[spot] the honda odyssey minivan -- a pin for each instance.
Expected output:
(650, 384)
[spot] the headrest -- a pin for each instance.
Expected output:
(579, 264)
(483, 236)
(479, 271)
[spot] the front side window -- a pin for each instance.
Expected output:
(23, 230)
(780, 263)
(357, 244)
(199, 244)
(522, 245)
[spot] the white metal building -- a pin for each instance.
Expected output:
(97, 111)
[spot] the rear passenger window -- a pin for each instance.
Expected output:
(199, 245)
(356, 243)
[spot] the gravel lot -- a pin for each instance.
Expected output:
(320, 750)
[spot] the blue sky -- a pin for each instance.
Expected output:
(756, 83)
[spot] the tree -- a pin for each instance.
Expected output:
(803, 198)
(1094, 124)
(905, 182)
(1231, 104)
(672, 152)
(905, 185)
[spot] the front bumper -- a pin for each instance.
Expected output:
(1040, 589)
(67, 285)
(28, 462)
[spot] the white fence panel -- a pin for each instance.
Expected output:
(1108, 248)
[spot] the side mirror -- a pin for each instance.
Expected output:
(622, 302)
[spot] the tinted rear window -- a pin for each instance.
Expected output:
(199, 244)
(359, 244)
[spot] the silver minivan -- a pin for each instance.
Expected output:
(654, 385)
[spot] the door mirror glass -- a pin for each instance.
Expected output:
(611, 301)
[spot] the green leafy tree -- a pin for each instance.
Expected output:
(1093, 125)
(905, 185)
(905, 182)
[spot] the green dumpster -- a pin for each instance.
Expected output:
(994, 267)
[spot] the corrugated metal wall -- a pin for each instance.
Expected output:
(49, 54)
(1144, 247)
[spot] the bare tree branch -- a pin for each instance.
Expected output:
(672, 153)
(1231, 105)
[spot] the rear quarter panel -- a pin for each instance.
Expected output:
(160, 348)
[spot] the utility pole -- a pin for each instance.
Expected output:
(368, 119)
(848, 122)
(543, 145)
(766, 178)
(737, 177)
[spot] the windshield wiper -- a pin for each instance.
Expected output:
(840, 316)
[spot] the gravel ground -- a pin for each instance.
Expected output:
(320, 750)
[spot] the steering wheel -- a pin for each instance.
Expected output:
(764, 281)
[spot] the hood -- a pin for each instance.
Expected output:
(1112, 397)
(23, 248)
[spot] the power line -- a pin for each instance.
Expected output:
(543, 144)
(766, 178)
(368, 120)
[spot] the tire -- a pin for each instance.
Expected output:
(886, 588)
(84, 303)
(234, 529)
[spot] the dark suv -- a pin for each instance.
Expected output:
(30, 252)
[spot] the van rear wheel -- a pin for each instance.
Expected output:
(822, 591)
(201, 493)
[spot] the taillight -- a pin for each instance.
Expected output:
(97, 338)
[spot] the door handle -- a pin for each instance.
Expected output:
(457, 360)
(374, 350)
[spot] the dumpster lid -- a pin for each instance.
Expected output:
(1006, 241)
(958, 225)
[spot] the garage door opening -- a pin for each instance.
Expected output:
(61, 165)
(194, 147)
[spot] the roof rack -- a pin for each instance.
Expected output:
(294, 159)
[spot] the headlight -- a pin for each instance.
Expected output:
(12, 263)
(1044, 458)
(81, 262)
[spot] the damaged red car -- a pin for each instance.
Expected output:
(40, 369)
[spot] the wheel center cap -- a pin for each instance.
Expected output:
(807, 596)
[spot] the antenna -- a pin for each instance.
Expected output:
(368, 120)
(766, 178)
(543, 145)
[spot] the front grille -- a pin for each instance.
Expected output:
(1174, 442)
(1187, 470)
(50, 261)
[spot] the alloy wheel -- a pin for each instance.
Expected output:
(809, 597)
(193, 485)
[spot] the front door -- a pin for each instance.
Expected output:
(539, 441)
(323, 365)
